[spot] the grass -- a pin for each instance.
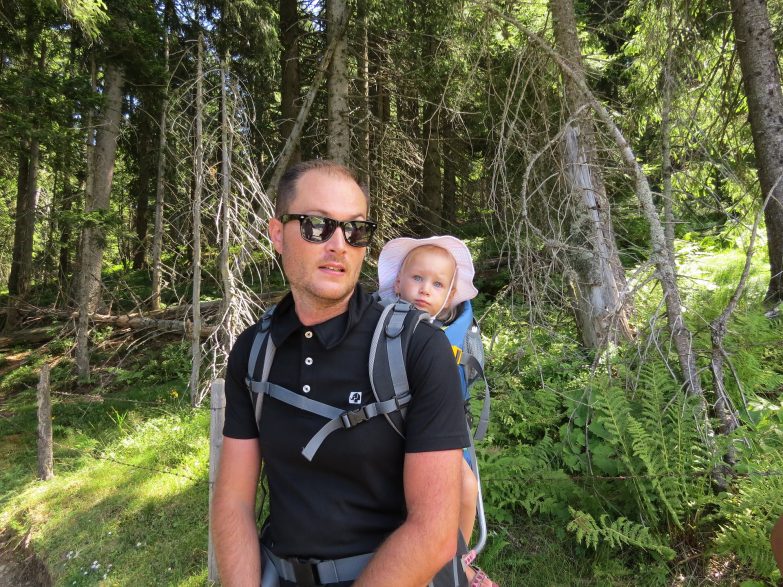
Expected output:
(128, 504)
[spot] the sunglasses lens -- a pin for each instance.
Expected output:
(317, 229)
(358, 233)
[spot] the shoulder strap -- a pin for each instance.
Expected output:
(256, 379)
(472, 361)
(388, 375)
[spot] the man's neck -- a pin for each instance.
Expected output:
(312, 311)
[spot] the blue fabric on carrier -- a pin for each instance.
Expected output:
(455, 331)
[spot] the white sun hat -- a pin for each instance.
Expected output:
(395, 251)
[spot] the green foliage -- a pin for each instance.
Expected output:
(25, 375)
(87, 14)
(618, 532)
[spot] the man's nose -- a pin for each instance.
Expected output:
(337, 241)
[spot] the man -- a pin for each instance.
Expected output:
(367, 489)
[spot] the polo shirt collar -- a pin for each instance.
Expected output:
(330, 333)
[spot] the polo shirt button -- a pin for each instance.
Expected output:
(306, 388)
(308, 361)
(309, 334)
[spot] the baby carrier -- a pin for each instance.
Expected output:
(389, 382)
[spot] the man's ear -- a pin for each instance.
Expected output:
(276, 234)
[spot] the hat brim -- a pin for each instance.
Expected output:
(394, 252)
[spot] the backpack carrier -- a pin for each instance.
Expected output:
(389, 383)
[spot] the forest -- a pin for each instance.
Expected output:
(615, 167)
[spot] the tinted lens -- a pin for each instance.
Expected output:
(358, 232)
(317, 229)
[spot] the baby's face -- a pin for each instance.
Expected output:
(425, 279)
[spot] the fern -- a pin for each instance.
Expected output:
(618, 532)
(658, 441)
(614, 411)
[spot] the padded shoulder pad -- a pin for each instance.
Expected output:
(388, 374)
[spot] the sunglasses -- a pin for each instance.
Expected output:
(319, 229)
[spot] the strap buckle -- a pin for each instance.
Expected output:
(402, 399)
(305, 571)
(354, 417)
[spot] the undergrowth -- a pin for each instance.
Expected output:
(613, 453)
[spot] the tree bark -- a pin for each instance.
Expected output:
(26, 203)
(45, 452)
(198, 177)
(143, 184)
(450, 154)
(64, 260)
(339, 133)
(599, 283)
(226, 207)
(761, 79)
(93, 236)
(432, 177)
(160, 184)
(667, 91)
(289, 66)
(363, 16)
(24, 230)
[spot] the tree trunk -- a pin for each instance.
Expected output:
(198, 183)
(24, 229)
(45, 452)
(432, 198)
(143, 183)
(26, 203)
(363, 158)
(380, 110)
(449, 173)
(599, 281)
(96, 204)
(227, 207)
(160, 184)
(64, 264)
(667, 100)
(339, 134)
(289, 66)
(761, 79)
(431, 177)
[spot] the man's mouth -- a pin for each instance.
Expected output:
(333, 267)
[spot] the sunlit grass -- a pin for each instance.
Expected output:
(147, 491)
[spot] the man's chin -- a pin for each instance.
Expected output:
(333, 295)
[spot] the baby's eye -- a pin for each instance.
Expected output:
(417, 278)
(438, 284)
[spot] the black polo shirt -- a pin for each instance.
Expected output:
(350, 497)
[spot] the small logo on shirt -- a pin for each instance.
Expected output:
(355, 397)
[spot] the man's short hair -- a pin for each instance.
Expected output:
(286, 190)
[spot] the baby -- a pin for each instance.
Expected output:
(436, 275)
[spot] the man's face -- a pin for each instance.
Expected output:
(426, 279)
(322, 276)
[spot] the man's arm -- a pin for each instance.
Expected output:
(233, 513)
(427, 540)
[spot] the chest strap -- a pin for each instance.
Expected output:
(312, 572)
(338, 419)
